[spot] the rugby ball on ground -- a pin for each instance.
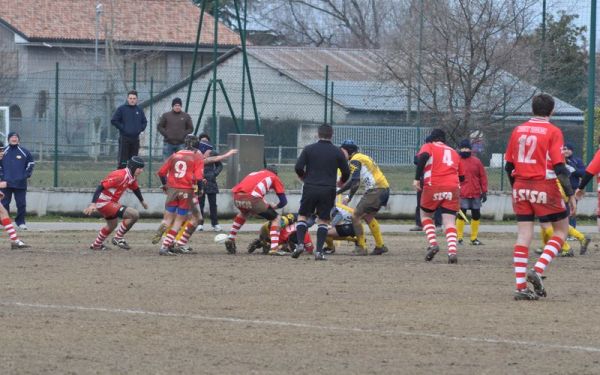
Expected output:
(221, 238)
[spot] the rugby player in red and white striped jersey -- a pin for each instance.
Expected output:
(106, 202)
(534, 161)
(248, 197)
(439, 166)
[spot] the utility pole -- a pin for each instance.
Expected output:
(98, 13)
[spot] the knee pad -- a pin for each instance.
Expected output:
(269, 214)
(476, 214)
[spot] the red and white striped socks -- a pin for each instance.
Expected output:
(274, 233)
(451, 240)
(169, 238)
(238, 221)
(121, 231)
(551, 249)
(429, 229)
(104, 232)
(520, 258)
(10, 229)
(185, 236)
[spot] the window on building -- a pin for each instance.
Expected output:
(41, 104)
(15, 113)
(147, 66)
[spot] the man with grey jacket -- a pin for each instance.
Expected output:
(174, 126)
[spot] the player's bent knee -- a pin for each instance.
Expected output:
(131, 214)
(270, 214)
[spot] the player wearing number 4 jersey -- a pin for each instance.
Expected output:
(534, 162)
(439, 166)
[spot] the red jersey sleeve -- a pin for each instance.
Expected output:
(198, 167)
(594, 166)
(508, 156)
(113, 180)
(555, 147)
(483, 178)
(164, 169)
(278, 185)
(425, 148)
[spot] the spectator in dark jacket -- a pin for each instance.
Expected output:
(211, 188)
(131, 121)
(577, 168)
(15, 168)
(174, 126)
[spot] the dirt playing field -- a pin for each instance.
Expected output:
(67, 310)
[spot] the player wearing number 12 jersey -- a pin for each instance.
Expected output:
(439, 166)
(179, 174)
(534, 161)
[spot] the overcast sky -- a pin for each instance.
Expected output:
(580, 7)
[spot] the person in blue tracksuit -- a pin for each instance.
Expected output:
(15, 168)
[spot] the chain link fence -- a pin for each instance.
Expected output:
(63, 111)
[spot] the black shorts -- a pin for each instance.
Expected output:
(345, 230)
(317, 199)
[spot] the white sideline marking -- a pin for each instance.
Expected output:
(467, 339)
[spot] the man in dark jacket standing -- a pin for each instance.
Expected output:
(16, 167)
(131, 121)
(174, 126)
(211, 188)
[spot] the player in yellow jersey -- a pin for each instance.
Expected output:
(377, 192)
(566, 251)
(342, 227)
(264, 237)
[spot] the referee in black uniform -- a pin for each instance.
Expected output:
(317, 167)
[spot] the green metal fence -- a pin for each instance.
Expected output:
(63, 110)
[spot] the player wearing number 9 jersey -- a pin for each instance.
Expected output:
(534, 162)
(439, 166)
(179, 174)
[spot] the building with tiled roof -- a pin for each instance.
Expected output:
(103, 48)
(168, 23)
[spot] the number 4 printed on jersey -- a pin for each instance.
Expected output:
(447, 158)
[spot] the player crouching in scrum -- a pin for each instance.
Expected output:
(248, 198)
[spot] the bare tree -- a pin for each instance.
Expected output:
(460, 77)
(328, 23)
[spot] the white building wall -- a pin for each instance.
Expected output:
(278, 97)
